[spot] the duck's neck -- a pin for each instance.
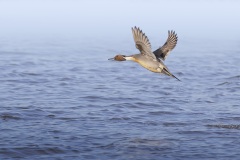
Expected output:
(129, 58)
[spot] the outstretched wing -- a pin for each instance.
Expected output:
(142, 42)
(169, 45)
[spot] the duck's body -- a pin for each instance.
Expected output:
(153, 65)
(146, 62)
(148, 59)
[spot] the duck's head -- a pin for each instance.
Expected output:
(118, 57)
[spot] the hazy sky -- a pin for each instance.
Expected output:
(95, 18)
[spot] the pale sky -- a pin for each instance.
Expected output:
(93, 18)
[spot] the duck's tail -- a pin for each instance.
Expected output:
(175, 77)
(167, 72)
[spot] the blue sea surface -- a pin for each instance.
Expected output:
(62, 99)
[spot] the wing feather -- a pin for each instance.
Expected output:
(168, 46)
(142, 42)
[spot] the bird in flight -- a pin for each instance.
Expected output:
(152, 61)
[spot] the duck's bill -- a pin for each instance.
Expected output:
(111, 59)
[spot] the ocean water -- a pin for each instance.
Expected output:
(62, 99)
(79, 105)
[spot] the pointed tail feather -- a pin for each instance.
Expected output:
(165, 71)
(175, 77)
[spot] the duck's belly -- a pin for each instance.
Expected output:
(151, 66)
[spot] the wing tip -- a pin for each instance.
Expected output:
(173, 35)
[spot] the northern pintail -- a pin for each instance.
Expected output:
(152, 61)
